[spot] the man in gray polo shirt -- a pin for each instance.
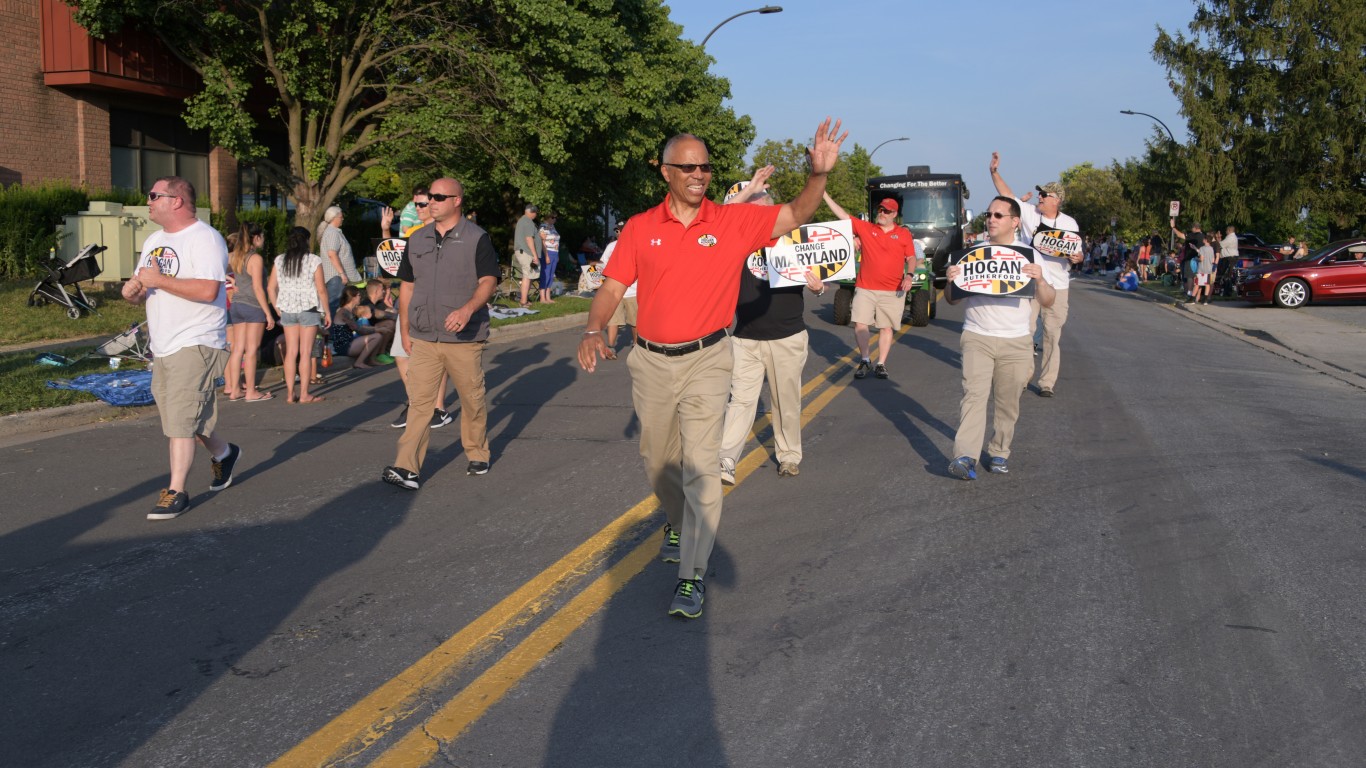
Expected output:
(528, 247)
(449, 272)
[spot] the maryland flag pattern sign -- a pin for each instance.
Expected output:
(390, 255)
(992, 270)
(1058, 243)
(826, 248)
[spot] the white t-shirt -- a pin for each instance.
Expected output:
(607, 254)
(1056, 269)
(173, 323)
(1004, 317)
(297, 293)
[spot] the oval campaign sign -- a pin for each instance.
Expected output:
(1059, 243)
(389, 253)
(826, 249)
(994, 270)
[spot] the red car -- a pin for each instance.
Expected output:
(1335, 271)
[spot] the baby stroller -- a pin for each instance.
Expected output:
(52, 288)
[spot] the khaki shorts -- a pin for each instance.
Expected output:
(524, 261)
(880, 309)
(185, 385)
(625, 313)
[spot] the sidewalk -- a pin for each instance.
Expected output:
(30, 423)
(1336, 349)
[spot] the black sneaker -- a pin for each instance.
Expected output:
(222, 470)
(862, 370)
(400, 477)
(670, 550)
(687, 600)
(477, 468)
(440, 419)
(402, 420)
(880, 371)
(1045, 391)
(170, 505)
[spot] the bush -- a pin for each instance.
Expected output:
(275, 223)
(29, 217)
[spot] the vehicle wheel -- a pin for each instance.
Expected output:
(934, 305)
(73, 313)
(1292, 293)
(844, 305)
(920, 308)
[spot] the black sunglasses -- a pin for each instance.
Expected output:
(998, 215)
(421, 205)
(439, 198)
(690, 167)
(155, 196)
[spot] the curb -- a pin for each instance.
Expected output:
(36, 423)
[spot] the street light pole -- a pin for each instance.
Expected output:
(883, 144)
(1159, 122)
(1171, 236)
(765, 9)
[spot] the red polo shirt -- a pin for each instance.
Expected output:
(884, 255)
(688, 277)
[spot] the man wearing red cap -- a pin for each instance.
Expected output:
(882, 281)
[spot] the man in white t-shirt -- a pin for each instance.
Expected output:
(181, 275)
(1045, 215)
(996, 353)
(626, 311)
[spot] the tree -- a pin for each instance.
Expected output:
(1094, 197)
(1274, 93)
(847, 183)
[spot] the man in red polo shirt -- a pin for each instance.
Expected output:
(685, 255)
(882, 281)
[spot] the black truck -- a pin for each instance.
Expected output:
(932, 208)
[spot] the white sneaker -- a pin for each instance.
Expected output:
(728, 471)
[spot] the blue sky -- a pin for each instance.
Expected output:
(1042, 83)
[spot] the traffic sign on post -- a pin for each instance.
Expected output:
(1175, 209)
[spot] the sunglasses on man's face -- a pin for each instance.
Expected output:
(439, 198)
(998, 215)
(1046, 195)
(155, 196)
(421, 205)
(690, 167)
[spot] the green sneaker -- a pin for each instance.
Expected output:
(687, 599)
(669, 551)
(384, 359)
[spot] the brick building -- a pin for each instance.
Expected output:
(102, 113)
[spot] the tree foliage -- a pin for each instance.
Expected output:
(847, 183)
(1094, 197)
(1274, 93)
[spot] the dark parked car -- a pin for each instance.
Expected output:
(1250, 238)
(1335, 271)
(1229, 270)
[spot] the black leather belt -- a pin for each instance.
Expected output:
(677, 350)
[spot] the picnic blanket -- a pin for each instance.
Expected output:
(503, 313)
(118, 388)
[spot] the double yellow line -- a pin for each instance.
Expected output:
(372, 718)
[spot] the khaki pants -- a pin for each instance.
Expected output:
(464, 361)
(781, 361)
(999, 367)
(1054, 318)
(185, 387)
(680, 402)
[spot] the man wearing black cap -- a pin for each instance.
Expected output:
(884, 276)
(1033, 217)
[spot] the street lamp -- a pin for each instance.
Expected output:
(883, 144)
(1159, 122)
(1171, 236)
(765, 9)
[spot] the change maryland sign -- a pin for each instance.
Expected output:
(992, 270)
(826, 248)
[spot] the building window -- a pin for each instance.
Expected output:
(254, 192)
(144, 146)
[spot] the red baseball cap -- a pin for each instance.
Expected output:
(890, 204)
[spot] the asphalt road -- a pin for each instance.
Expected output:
(1171, 575)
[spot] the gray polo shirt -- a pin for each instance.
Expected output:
(527, 228)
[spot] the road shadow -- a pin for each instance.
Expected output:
(646, 697)
(107, 641)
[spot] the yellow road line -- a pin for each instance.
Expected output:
(421, 744)
(371, 718)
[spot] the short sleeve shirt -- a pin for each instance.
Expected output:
(689, 276)
(334, 240)
(527, 228)
(195, 252)
(883, 263)
(1056, 269)
(551, 237)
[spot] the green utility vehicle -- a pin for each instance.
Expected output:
(932, 209)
